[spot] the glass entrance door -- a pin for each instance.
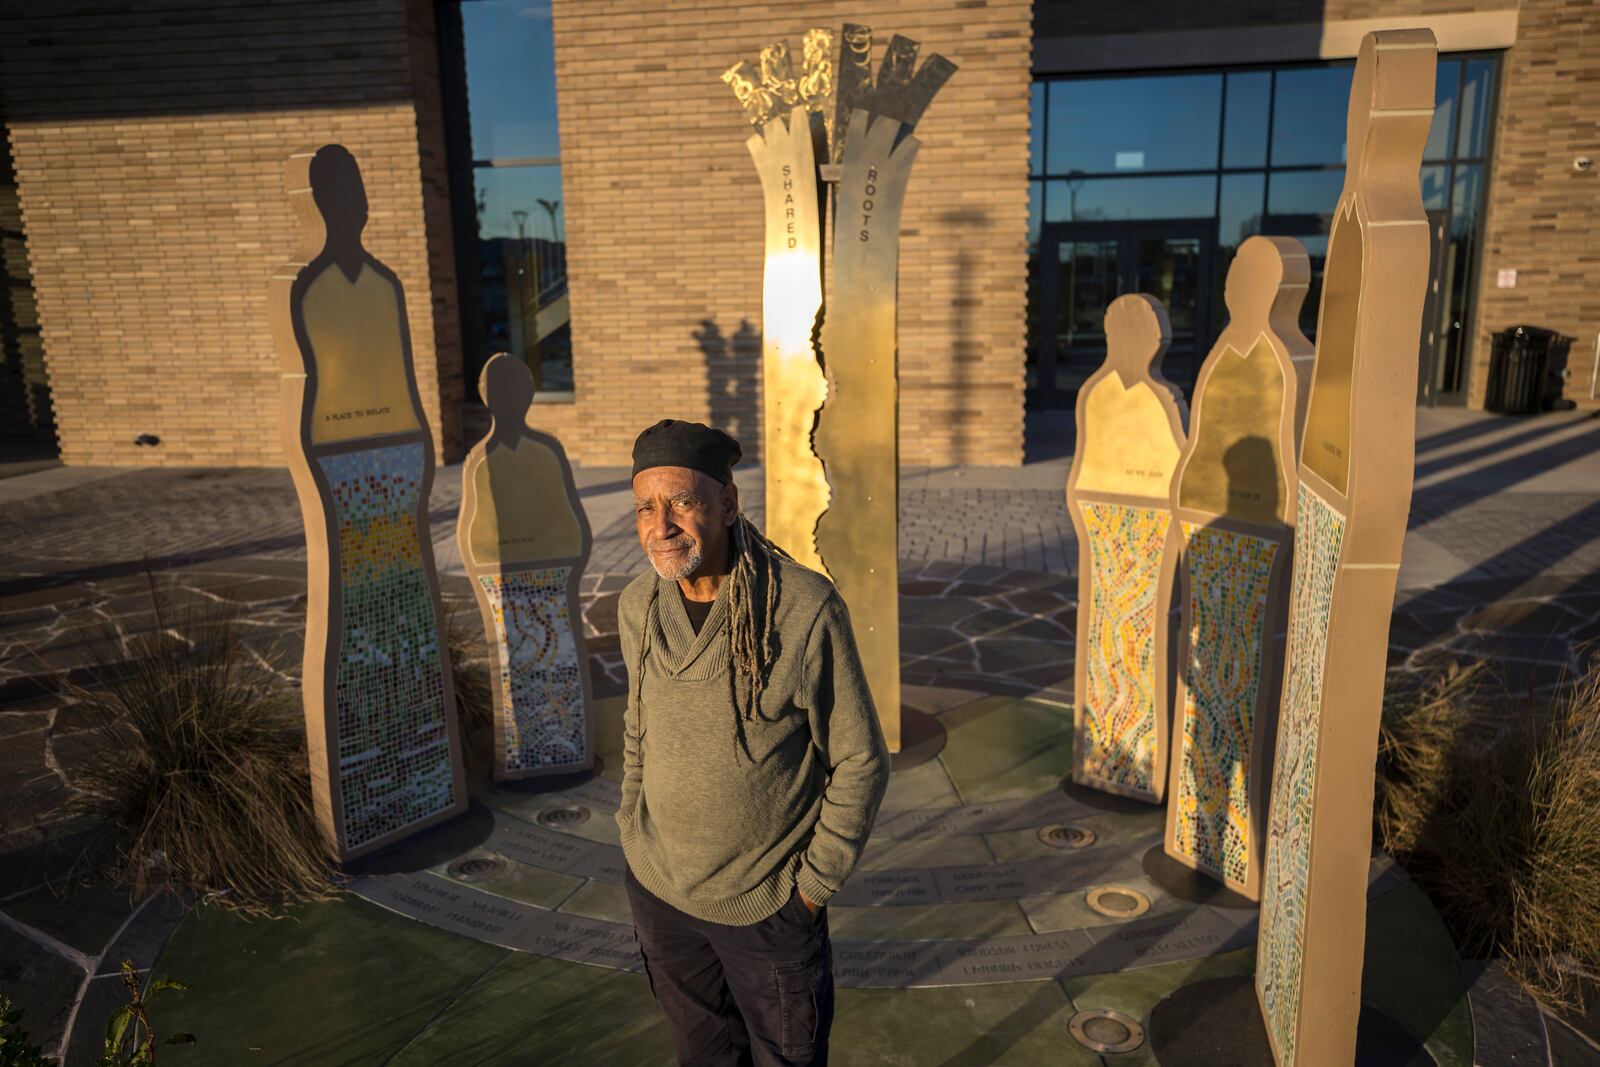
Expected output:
(1086, 265)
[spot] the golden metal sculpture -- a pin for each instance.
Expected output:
(1130, 433)
(524, 541)
(1356, 468)
(1232, 508)
(843, 439)
(382, 734)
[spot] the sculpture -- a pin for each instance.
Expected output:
(381, 723)
(525, 541)
(1232, 503)
(851, 445)
(1130, 432)
(1356, 467)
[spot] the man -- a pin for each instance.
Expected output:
(753, 763)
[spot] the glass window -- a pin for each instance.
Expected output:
(1435, 188)
(1244, 136)
(1102, 125)
(1308, 115)
(1446, 86)
(1239, 209)
(511, 240)
(1092, 199)
(1476, 83)
(511, 78)
(1036, 131)
(1304, 192)
(1035, 212)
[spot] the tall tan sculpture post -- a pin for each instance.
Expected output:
(525, 541)
(832, 443)
(1356, 466)
(1232, 509)
(1130, 433)
(380, 709)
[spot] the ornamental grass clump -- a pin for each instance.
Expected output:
(197, 767)
(1493, 806)
(474, 689)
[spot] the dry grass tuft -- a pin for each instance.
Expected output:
(1494, 808)
(198, 768)
(469, 667)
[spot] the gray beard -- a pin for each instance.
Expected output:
(690, 564)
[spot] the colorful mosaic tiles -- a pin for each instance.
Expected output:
(1319, 533)
(541, 690)
(1118, 649)
(1228, 578)
(393, 744)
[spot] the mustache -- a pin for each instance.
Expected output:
(671, 544)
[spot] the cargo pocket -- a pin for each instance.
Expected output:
(799, 1012)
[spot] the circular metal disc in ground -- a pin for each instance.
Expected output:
(1117, 901)
(476, 868)
(1065, 835)
(564, 816)
(1217, 1021)
(1105, 1030)
(921, 738)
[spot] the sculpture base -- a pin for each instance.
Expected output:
(1184, 882)
(921, 739)
(1216, 1023)
(1111, 803)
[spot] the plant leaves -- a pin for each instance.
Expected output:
(117, 1027)
(167, 983)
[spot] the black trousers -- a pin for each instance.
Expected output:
(739, 995)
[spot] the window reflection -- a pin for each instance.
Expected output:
(1104, 125)
(499, 79)
(1244, 136)
(1099, 199)
(511, 78)
(1308, 115)
(1279, 171)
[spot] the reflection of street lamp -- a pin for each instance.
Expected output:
(1073, 185)
(526, 302)
(550, 209)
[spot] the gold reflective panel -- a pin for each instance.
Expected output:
(758, 102)
(1128, 446)
(793, 385)
(816, 84)
(521, 511)
(362, 385)
(1325, 448)
(858, 431)
(1235, 466)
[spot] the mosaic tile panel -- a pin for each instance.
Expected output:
(393, 742)
(541, 706)
(1319, 533)
(1228, 578)
(1119, 649)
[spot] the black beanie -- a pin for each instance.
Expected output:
(675, 443)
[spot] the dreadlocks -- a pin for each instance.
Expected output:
(752, 606)
(752, 603)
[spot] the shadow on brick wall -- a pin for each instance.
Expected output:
(732, 368)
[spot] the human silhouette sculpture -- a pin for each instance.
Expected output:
(380, 710)
(1130, 432)
(524, 541)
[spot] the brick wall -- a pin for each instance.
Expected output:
(149, 143)
(665, 222)
(1544, 217)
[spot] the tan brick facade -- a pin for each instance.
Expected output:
(664, 222)
(149, 146)
(1544, 216)
(148, 149)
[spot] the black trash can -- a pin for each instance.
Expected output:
(1519, 364)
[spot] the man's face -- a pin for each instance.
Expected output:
(683, 518)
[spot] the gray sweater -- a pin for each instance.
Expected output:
(725, 828)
